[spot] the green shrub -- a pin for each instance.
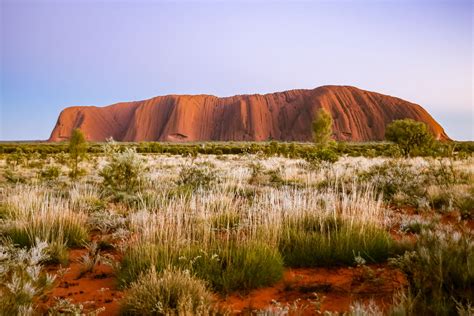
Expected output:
(440, 272)
(13, 176)
(465, 204)
(259, 176)
(315, 158)
(50, 173)
(412, 137)
(322, 127)
(170, 292)
(77, 152)
(394, 177)
(238, 266)
(197, 176)
(125, 170)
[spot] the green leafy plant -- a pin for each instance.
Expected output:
(22, 281)
(197, 176)
(411, 136)
(322, 127)
(77, 151)
(125, 170)
(50, 173)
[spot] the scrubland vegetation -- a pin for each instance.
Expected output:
(182, 232)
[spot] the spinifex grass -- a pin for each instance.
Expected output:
(170, 292)
(346, 225)
(226, 266)
(33, 215)
(336, 245)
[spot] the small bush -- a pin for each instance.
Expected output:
(125, 171)
(170, 292)
(412, 137)
(197, 176)
(50, 173)
(440, 271)
(259, 176)
(13, 176)
(316, 158)
(21, 279)
(244, 266)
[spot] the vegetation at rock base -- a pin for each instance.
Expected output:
(232, 224)
(410, 136)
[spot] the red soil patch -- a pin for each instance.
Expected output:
(93, 290)
(338, 288)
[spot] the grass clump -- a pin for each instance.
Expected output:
(170, 292)
(48, 225)
(227, 267)
(324, 241)
(440, 272)
(235, 267)
(28, 217)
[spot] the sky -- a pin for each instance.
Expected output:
(57, 53)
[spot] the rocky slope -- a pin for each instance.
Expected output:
(358, 116)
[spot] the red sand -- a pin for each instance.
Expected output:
(93, 290)
(337, 287)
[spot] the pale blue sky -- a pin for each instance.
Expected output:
(61, 53)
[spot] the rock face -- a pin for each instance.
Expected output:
(358, 116)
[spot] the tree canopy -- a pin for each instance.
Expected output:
(410, 136)
(77, 150)
(322, 127)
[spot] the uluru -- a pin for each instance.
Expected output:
(358, 115)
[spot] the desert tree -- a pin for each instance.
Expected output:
(410, 136)
(77, 151)
(322, 127)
